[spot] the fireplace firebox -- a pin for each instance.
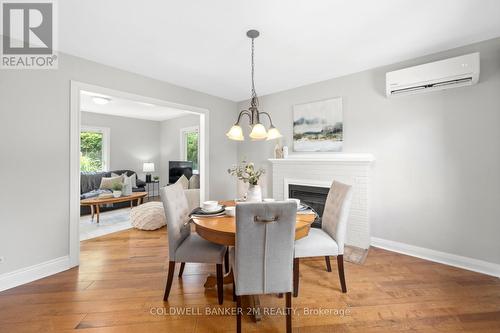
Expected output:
(313, 196)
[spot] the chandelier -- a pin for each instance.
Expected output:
(258, 131)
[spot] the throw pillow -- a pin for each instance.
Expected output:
(114, 175)
(184, 182)
(194, 182)
(107, 182)
(127, 186)
(132, 177)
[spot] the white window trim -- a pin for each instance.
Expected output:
(182, 142)
(106, 151)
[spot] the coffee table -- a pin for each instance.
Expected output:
(94, 203)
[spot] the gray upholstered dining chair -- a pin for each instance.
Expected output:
(262, 258)
(184, 246)
(329, 240)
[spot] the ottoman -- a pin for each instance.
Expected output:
(148, 216)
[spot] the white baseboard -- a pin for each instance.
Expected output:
(32, 273)
(470, 264)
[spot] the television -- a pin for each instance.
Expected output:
(178, 168)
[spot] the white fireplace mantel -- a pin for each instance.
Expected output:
(321, 170)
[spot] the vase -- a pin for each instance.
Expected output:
(285, 152)
(254, 193)
(117, 194)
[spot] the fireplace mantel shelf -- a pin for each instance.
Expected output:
(339, 157)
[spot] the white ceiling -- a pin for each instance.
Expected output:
(128, 108)
(202, 45)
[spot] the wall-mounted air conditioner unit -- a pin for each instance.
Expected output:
(438, 75)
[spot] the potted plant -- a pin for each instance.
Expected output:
(117, 190)
(156, 178)
(247, 172)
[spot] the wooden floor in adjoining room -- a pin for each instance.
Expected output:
(121, 278)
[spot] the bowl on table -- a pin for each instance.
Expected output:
(231, 211)
(210, 206)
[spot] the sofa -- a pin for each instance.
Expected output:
(90, 181)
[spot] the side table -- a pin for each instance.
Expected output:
(153, 183)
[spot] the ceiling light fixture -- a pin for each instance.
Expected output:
(101, 100)
(258, 132)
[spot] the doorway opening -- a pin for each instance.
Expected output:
(121, 147)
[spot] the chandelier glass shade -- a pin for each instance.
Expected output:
(236, 133)
(259, 131)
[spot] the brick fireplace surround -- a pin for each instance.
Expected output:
(320, 171)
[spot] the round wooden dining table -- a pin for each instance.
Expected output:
(222, 230)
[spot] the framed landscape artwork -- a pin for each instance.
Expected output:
(318, 126)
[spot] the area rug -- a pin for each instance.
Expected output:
(109, 222)
(355, 254)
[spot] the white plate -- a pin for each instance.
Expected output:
(219, 207)
(210, 215)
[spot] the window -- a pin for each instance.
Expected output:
(190, 146)
(94, 149)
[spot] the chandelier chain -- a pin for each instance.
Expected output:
(254, 94)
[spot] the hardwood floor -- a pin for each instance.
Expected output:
(121, 279)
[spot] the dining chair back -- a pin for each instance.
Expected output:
(262, 258)
(336, 213)
(184, 246)
(330, 239)
(265, 235)
(177, 214)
